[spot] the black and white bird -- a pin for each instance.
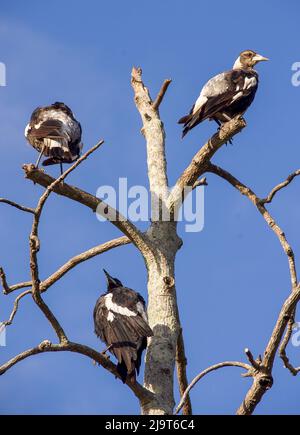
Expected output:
(121, 322)
(55, 133)
(226, 95)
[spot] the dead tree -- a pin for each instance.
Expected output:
(158, 246)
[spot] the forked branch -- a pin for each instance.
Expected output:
(263, 377)
(204, 373)
(199, 163)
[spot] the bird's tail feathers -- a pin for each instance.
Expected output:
(185, 119)
(126, 354)
(191, 120)
(58, 152)
(122, 370)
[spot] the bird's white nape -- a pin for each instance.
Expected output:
(237, 64)
(111, 306)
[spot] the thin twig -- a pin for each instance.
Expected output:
(245, 190)
(70, 264)
(263, 381)
(18, 206)
(52, 186)
(283, 346)
(15, 308)
(202, 182)
(204, 373)
(280, 186)
(8, 289)
(251, 359)
(161, 94)
(84, 256)
(181, 363)
(35, 246)
(263, 378)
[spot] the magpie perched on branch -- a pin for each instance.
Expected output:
(121, 323)
(226, 95)
(55, 133)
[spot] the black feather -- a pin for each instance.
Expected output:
(124, 334)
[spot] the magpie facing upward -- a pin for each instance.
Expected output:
(121, 322)
(55, 133)
(226, 95)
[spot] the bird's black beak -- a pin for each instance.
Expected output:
(110, 280)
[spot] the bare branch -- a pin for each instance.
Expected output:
(202, 182)
(280, 186)
(46, 346)
(64, 344)
(15, 308)
(255, 364)
(69, 265)
(204, 373)
(161, 94)
(84, 256)
(263, 378)
(18, 206)
(90, 201)
(60, 179)
(154, 133)
(197, 167)
(8, 289)
(283, 346)
(244, 190)
(35, 246)
(181, 363)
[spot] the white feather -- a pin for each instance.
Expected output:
(237, 96)
(250, 82)
(217, 85)
(27, 128)
(111, 306)
(110, 316)
(199, 103)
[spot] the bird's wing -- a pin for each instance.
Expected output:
(51, 129)
(220, 92)
(121, 322)
(128, 322)
(226, 87)
(131, 306)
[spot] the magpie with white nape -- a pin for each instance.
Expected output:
(55, 133)
(226, 95)
(121, 322)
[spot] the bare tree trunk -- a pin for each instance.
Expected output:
(162, 234)
(163, 319)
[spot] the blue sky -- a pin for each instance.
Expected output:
(232, 277)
